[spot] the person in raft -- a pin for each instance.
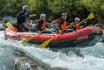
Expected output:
(42, 23)
(62, 22)
(77, 23)
(22, 17)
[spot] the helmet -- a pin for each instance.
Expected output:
(42, 15)
(64, 14)
(77, 19)
(24, 7)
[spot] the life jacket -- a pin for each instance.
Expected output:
(77, 26)
(21, 17)
(63, 26)
(43, 26)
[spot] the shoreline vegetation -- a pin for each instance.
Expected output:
(52, 8)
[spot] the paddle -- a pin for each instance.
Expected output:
(10, 26)
(90, 16)
(44, 44)
(27, 40)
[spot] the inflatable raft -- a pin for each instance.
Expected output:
(68, 39)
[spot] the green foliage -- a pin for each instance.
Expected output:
(96, 6)
(10, 7)
(75, 8)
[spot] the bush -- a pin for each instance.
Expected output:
(74, 8)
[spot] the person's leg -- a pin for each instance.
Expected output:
(25, 27)
(21, 27)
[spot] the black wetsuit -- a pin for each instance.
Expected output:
(21, 19)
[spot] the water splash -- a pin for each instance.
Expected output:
(26, 66)
(6, 58)
(102, 37)
(93, 56)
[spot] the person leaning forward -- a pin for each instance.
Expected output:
(21, 18)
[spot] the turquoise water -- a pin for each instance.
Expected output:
(6, 58)
(87, 58)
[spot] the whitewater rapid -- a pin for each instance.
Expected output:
(93, 56)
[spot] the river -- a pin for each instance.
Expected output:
(92, 57)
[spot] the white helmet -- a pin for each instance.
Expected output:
(42, 15)
(24, 6)
(64, 14)
(77, 19)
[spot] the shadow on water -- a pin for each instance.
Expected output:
(69, 51)
(78, 50)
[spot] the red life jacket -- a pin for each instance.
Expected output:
(77, 26)
(63, 26)
(43, 26)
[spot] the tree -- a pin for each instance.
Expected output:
(97, 7)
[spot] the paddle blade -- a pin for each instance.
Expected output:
(44, 44)
(91, 16)
(10, 26)
(27, 40)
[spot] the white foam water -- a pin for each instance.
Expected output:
(93, 56)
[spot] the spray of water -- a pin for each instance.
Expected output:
(88, 58)
(102, 37)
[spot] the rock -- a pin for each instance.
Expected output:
(22, 62)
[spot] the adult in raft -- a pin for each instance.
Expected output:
(41, 26)
(62, 23)
(77, 23)
(22, 17)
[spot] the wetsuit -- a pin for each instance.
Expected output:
(21, 19)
